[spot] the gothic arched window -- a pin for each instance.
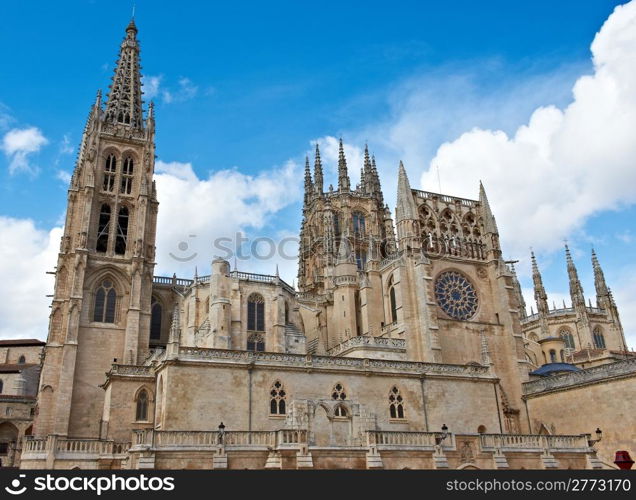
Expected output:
(256, 342)
(155, 319)
(361, 258)
(110, 169)
(599, 339)
(392, 301)
(126, 176)
(255, 313)
(122, 231)
(277, 399)
(396, 403)
(1, 386)
(105, 302)
(358, 225)
(568, 339)
(141, 414)
(553, 356)
(340, 411)
(21, 360)
(103, 228)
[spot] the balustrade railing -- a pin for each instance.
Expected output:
(534, 442)
(409, 439)
(65, 446)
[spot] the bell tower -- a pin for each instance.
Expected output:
(103, 280)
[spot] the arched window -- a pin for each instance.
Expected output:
(396, 403)
(103, 228)
(141, 414)
(255, 313)
(256, 342)
(336, 225)
(553, 356)
(105, 302)
(340, 411)
(358, 225)
(109, 173)
(392, 301)
(361, 258)
(155, 319)
(122, 231)
(277, 399)
(338, 393)
(599, 339)
(1, 385)
(21, 360)
(568, 338)
(126, 176)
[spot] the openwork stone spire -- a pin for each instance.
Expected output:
(343, 174)
(318, 178)
(490, 225)
(309, 187)
(540, 296)
(517, 285)
(406, 209)
(602, 289)
(124, 100)
(576, 289)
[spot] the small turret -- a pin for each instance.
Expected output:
(318, 178)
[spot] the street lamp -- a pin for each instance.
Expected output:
(221, 432)
(440, 437)
(599, 436)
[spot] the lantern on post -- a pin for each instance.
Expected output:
(623, 460)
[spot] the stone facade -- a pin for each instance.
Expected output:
(19, 380)
(403, 346)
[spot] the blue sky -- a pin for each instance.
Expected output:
(242, 90)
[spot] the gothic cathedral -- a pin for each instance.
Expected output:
(406, 343)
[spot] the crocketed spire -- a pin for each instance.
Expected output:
(318, 178)
(309, 186)
(540, 296)
(343, 175)
(576, 289)
(124, 99)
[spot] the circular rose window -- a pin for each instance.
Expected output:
(456, 295)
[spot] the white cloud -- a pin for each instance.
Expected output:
(565, 165)
(65, 146)
(624, 292)
(19, 144)
(64, 176)
(195, 211)
(26, 253)
(185, 90)
(151, 85)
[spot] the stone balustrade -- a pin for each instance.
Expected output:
(511, 442)
(368, 341)
(408, 439)
(65, 447)
(212, 439)
(199, 354)
(625, 368)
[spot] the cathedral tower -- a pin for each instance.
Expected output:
(101, 305)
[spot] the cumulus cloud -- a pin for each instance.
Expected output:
(185, 89)
(565, 164)
(150, 85)
(26, 253)
(195, 212)
(19, 144)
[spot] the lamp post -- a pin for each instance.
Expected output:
(599, 436)
(221, 432)
(440, 437)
